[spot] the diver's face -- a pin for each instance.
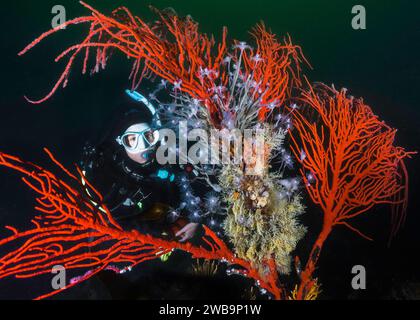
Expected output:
(139, 156)
(139, 141)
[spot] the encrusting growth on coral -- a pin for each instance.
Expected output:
(262, 220)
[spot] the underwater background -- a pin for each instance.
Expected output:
(380, 64)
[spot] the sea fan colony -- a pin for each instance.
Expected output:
(261, 207)
(347, 158)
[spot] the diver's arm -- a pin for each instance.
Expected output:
(100, 173)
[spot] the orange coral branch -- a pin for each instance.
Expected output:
(173, 49)
(275, 65)
(355, 164)
(77, 235)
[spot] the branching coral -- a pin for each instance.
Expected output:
(72, 232)
(349, 162)
(351, 156)
(174, 50)
(247, 88)
(262, 218)
(149, 45)
(226, 89)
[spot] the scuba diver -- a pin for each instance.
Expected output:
(139, 193)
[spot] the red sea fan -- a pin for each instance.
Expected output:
(173, 49)
(348, 157)
(73, 232)
(349, 163)
(275, 66)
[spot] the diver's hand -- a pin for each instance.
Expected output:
(187, 232)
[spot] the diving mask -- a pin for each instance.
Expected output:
(138, 138)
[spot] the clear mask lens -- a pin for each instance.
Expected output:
(139, 141)
(130, 141)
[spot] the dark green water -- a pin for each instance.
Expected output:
(380, 63)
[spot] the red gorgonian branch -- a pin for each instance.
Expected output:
(71, 231)
(173, 50)
(353, 164)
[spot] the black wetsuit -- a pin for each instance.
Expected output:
(137, 195)
(140, 195)
(134, 193)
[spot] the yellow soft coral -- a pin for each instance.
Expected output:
(261, 224)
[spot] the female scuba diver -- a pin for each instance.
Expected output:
(139, 192)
